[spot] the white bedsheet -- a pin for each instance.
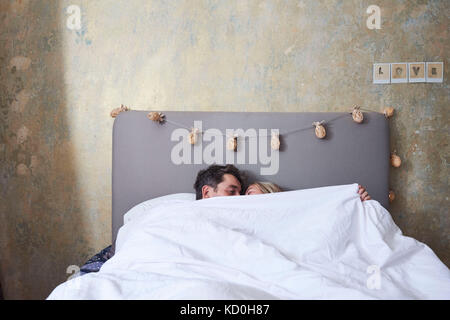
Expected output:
(321, 243)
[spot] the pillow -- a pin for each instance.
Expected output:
(145, 206)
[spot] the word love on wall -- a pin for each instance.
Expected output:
(403, 72)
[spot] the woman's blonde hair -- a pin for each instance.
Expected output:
(267, 187)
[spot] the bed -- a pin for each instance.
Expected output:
(315, 240)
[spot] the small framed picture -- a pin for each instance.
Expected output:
(399, 72)
(416, 71)
(435, 71)
(381, 73)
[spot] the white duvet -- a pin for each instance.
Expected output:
(321, 243)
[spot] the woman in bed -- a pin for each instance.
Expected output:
(261, 187)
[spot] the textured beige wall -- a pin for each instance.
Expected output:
(58, 86)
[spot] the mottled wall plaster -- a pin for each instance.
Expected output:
(58, 86)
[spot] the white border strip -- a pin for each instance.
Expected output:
(378, 81)
(424, 79)
(402, 80)
(441, 79)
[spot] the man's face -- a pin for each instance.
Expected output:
(230, 186)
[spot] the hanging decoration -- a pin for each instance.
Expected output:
(391, 196)
(156, 116)
(275, 141)
(115, 112)
(232, 143)
(357, 114)
(320, 129)
(193, 135)
(388, 112)
(396, 161)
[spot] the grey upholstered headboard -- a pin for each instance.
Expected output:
(146, 154)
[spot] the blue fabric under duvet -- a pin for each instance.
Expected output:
(95, 263)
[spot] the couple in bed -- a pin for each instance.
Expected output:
(214, 181)
(217, 180)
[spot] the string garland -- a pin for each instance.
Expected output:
(284, 133)
(320, 130)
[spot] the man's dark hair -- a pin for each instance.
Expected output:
(213, 175)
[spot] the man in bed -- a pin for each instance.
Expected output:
(217, 180)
